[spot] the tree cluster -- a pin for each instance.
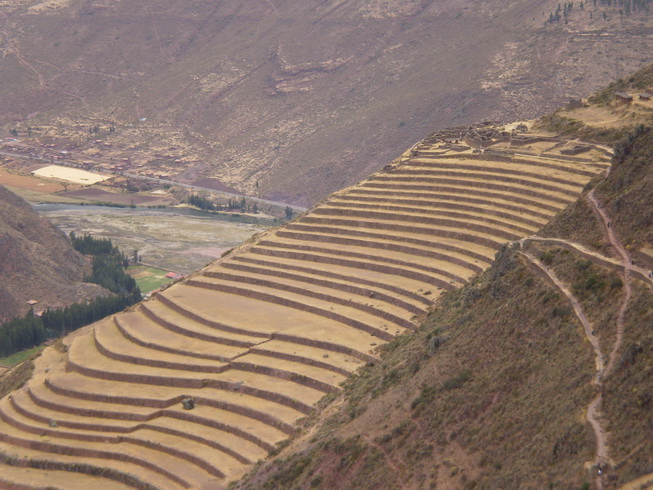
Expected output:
(21, 333)
(206, 204)
(88, 245)
(626, 7)
(109, 265)
(60, 321)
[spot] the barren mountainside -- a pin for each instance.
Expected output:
(496, 388)
(475, 315)
(36, 261)
(288, 99)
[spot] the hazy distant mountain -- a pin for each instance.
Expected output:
(293, 99)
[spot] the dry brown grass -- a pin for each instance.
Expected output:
(475, 377)
(29, 183)
(16, 377)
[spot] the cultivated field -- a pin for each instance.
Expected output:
(192, 387)
(100, 195)
(148, 278)
(68, 174)
(25, 182)
(179, 242)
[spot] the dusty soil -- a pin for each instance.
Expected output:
(178, 242)
(28, 183)
(74, 175)
(100, 195)
(595, 116)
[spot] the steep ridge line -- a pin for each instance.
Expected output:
(257, 338)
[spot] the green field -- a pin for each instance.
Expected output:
(148, 278)
(19, 357)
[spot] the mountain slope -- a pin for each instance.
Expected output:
(288, 99)
(36, 261)
(211, 375)
(498, 386)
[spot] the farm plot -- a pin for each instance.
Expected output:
(148, 278)
(73, 175)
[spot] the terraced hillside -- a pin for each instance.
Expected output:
(256, 339)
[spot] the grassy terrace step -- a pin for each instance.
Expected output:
(402, 290)
(435, 190)
(413, 246)
(343, 285)
(474, 187)
(203, 310)
(233, 448)
(62, 468)
(333, 361)
(438, 208)
(115, 417)
(326, 256)
(451, 199)
(421, 260)
(80, 387)
(487, 244)
(430, 218)
(85, 359)
(449, 244)
(275, 319)
(500, 182)
(510, 176)
(22, 478)
(489, 235)
(155, 335)
(534, 166)
(563, 185)
(330, 379)
(177, 444)
(373, 305)
(346, 315)
(230, 446)
(176, 471)
(111, 343)
(140, 329)
(559, 175)
(539, 161)
(172, 319)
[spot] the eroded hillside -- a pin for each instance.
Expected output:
(195, 385)
(286, 99)
(37, 263)
(535, 374)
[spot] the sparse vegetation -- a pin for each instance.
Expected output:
(16, 377)
(489, 391)
(575, 128)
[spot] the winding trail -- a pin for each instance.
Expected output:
(604, 367)
(593, 413)
(628, 266)
(595, 257)
(587, 327)
(399, 470)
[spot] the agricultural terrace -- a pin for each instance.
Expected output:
(192, 387)
(73, 175)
